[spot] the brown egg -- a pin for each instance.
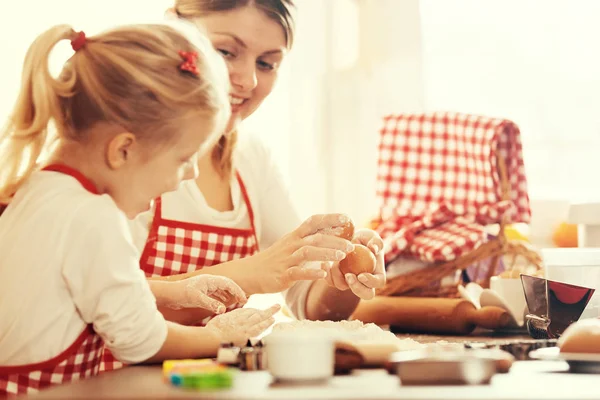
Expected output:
(361, 260)
(581, 337)
(345, 231)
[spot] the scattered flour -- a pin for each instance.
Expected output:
(355, 331)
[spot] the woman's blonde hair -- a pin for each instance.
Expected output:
(129, 76)
(280, 11)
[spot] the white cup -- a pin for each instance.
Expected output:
(300, 355)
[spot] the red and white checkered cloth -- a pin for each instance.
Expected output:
(81, 360)
(438, 182)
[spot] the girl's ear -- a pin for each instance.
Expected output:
(120, 149)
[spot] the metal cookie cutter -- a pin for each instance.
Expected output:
(553, 306)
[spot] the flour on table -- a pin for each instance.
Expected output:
(354, 331)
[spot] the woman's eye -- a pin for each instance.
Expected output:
(265, 65)
(225, 53)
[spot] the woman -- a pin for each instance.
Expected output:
(239, 203)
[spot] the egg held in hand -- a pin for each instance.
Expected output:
(361, 260)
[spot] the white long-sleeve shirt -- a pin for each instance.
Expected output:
(274, 212)
(67, 260)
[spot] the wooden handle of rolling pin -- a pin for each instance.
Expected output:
(489, 317)
(430, 315)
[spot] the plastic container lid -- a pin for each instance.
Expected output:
(571, 257)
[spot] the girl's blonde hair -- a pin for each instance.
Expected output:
(281, 11)
(129, 77)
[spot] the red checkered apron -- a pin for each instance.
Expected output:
(438, 182)
(178, 247)
(81, 360)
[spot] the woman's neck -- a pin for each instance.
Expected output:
(215, 188)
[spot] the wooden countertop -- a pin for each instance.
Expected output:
(526, 380)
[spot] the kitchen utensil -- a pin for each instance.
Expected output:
(347, 358)
(491, 298)
(576, 266)
(553, 306)
(430, 315)
(444, 368)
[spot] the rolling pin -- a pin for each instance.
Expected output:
(347, 358)
(430, 315)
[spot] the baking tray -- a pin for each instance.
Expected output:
(446, 368)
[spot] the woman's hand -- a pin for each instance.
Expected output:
(363, 285)
(285, 262)
(239, 325)
(209, 292)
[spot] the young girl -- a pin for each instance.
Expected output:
(240, 194)
(131, 108)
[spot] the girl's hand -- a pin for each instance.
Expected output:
(209, 292)
(239, 325)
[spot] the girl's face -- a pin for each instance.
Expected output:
(253, 46)
(147, 171)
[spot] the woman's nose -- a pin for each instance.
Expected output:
(243, 75)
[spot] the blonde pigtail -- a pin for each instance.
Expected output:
(37, 106)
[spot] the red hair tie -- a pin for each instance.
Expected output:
(189, 62)
(79, 41)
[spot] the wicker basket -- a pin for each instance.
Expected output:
(426, 282)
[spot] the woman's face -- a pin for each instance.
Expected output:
(253, 46)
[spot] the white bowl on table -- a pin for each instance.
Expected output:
(300, 355)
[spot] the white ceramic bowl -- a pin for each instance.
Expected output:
(300, 355)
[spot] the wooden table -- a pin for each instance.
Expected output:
(526, 380)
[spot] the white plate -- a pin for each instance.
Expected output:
(554, 354)
(578, 362)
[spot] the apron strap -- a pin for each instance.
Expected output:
(248, 206)
(64, 169)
